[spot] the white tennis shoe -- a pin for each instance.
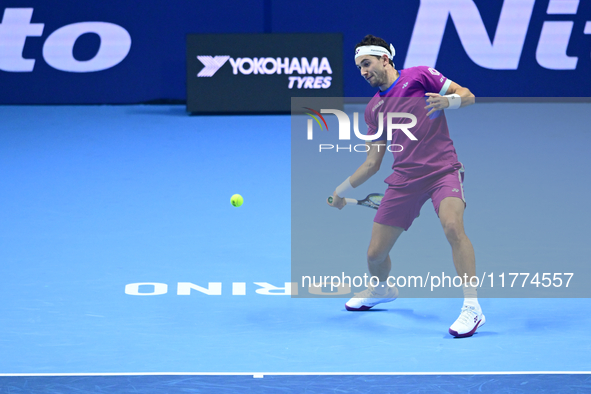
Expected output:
(368, 298)
(470, 319)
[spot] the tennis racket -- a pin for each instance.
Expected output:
(372, 200)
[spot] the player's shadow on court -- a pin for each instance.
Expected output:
(405, 312)
(372, 310)
(480, 333)
(411, 314)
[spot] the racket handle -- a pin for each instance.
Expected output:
(348, 200)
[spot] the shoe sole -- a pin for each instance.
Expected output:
(365, 307)
(360, 309)
(470, 333)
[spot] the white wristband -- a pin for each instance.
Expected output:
(344, 188)
(454, 101)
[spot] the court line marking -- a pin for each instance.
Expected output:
(259, 374)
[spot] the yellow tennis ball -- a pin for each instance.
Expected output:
(237, 200)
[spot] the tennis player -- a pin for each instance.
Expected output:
(427, 167)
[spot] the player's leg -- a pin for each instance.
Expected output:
(451, 215)
(383, 238)
(449, 203)
(398, 209)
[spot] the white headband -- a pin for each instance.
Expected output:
(375, 50)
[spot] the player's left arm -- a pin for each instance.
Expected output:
(454, 92)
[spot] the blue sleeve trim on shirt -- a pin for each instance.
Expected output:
(445, 87)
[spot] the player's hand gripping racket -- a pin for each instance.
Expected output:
(373, 200)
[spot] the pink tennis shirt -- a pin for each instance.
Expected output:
(433, 152)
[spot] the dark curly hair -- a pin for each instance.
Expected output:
(373, 40)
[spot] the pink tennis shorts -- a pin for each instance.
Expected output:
(403, 200)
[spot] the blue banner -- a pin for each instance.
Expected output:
(70, 52)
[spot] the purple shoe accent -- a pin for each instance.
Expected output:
(360, 309)
(468, 334)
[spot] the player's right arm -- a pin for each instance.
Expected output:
(370, 167)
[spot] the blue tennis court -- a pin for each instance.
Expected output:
(126, 269)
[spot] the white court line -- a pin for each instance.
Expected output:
(260, 374)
